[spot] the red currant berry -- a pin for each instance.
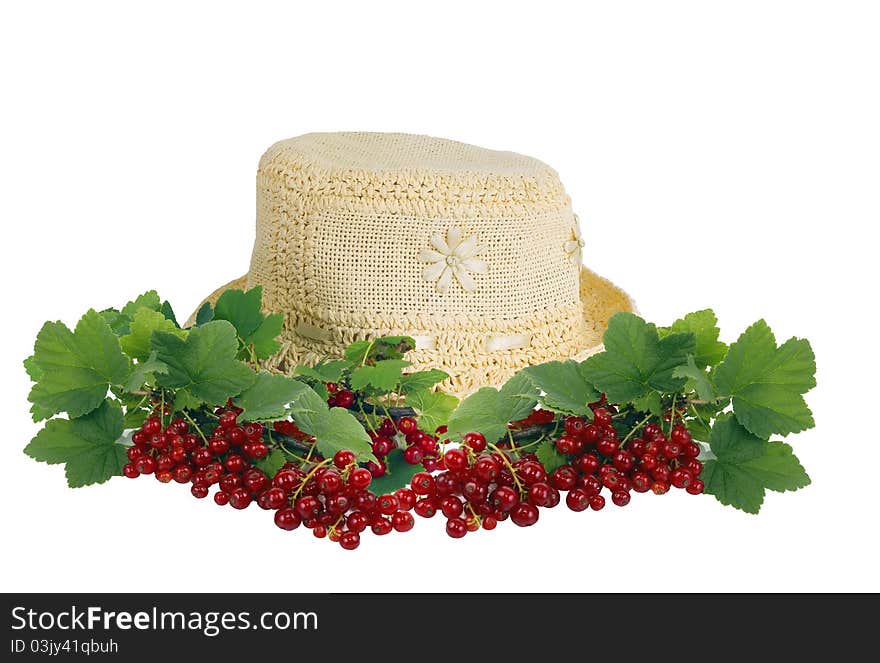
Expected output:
(412, 455)
(145, 465)
(694, 466)
(387, 428)
(524, 514)
(376, 469)
(130, 471)
(620, 497)
(402, 521)
(607, 446)
(456, 528)
(566, 445)
(407, 425)
(577, 500)
(240, 498)
(451, 506)
(221, 498)
(287, 519)
(151, 426)
(476, 441)
(381, 526)
(343, 458)
(696, 487)
(330, 482)
(591, 433)
(624, 460)
(199, 491)
(681, 478)
(587, 464)
(597, 502)
(234, 463)
(648, 462)
(388, 504)
(425, 507)
(350, 540)
(539, 494)
(660, 487)
(406, 498)
(574, 426)
(504, 498)
(487, 468)
(489, 522)
(227, 418)
(455, 459)
(360, 478)
(275, 498)
(344, 399)
(641, 481)
(601, 417)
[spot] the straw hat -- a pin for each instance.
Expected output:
(474, 253)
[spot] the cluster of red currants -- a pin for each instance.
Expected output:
(419, 447)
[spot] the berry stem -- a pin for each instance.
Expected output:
(194, 425)
(510, 467)
(308, 476)
(634, 429)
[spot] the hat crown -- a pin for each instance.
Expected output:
(411, 230)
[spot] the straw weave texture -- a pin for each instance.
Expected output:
(361, 235)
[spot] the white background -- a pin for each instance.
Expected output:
(719, 154)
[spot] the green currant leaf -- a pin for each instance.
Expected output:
(650, 402)
(704, 326)
(204, 364)
(255, 330)
(548, 455)
(388, 347)
(421, 380)
(636, 360)
(333, 428)
(565, 388)
(76, 368)
(168, 312)
(746, 465)
(269, 397)
(488, 410)
(204, 314)
(149, 300)
(144, 372)
(433, 408)
(136, 344)
(86, 445)
(381, 377)
(767, 383)
(119, 323)
(325, 371)
(398, 474)
(273, 462)
(698, 377)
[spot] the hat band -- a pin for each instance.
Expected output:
(492, 343)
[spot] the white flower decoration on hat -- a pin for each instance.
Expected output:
(453, 257)
(574, 246)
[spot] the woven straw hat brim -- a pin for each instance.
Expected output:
(600, 299)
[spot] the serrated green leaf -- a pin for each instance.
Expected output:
(257, 332)
(134, 417)
(268, 398)
(325, 371)
(746, 465)
(398, 474)
(387, 347)
(204, 314)
(272, 462)
(204, 364)
(565, 388)
(119, 324)
(767, 383)
(488, 410)
(421, 380)
(700, 425)
(149, 300)
(548, 455)
(699, 378)
(650, 402)
(381, 377)
(433, 408)
(334, 428)
(32, 369)
(144, 372)
(168, 312)
(86, 445)
(704, 326)
(136, 344)
(636, 360)
(76, 368)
